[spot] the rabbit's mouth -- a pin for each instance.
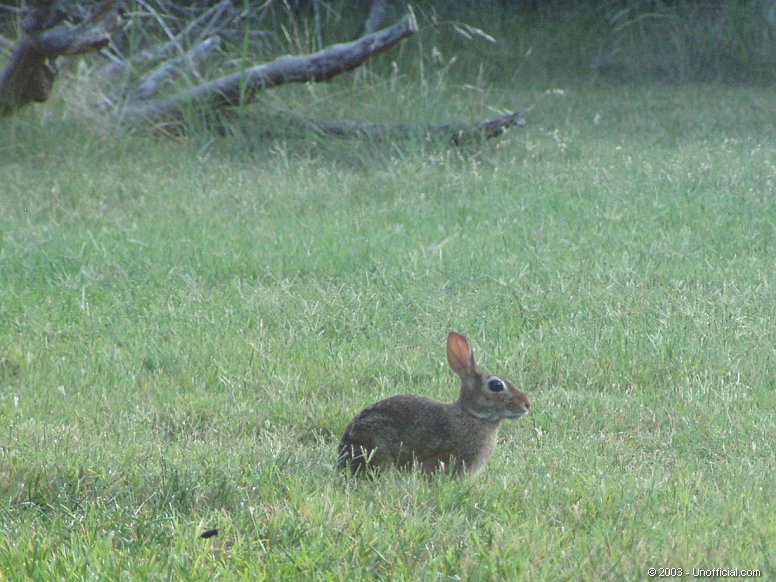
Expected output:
(494, 416)
(515, 413)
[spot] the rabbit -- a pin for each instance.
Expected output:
(404, 431)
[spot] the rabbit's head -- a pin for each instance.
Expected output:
(483, 395)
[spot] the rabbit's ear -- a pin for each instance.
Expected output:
(459, 354)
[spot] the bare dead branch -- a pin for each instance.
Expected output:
(92, 35)
(458, 134)
(209, 24)
(485, 129)
(29, 73)
(170, 70)
(241, 87)
(134, 82)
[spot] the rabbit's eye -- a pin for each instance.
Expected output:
(495, 385)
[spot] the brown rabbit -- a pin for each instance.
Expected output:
(403, 430)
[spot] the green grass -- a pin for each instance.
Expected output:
(183, 338)
(187, 327)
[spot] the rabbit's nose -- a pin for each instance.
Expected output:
(526, 402)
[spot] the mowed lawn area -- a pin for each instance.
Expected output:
(186, 327)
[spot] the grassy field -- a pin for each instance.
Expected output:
(186, 329)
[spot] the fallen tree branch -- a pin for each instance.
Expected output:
(237, 88)
(485, 129)
(29, 74)
(457, 133)
(170, 70)
(130, 86)
(206, 25)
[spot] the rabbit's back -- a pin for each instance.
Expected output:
(406, 429)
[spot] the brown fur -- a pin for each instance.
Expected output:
(402, 431)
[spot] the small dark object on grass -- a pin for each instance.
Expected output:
(209, 534)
